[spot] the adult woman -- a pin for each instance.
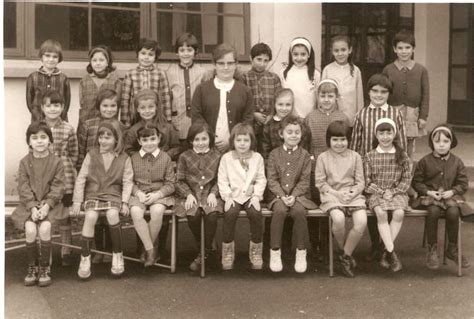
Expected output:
(223, 102)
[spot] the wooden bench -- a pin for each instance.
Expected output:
(315, 213)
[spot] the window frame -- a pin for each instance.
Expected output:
(25, 31)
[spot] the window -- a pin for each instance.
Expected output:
(79, 26)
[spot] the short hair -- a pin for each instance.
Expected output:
(382, 80)
(291, 120)
(243, 129)
(150, 130)
(53, 96)
(404, 36)
(149, 44)
(187, 38)
(108, 55)
(327, 87)
(35, 128)
(51, 46)
(200, 127)
(447, 131)
(259, 49)
(105, 94)
(149, 94)
(113, 126)
(221, 50)
(338, 129)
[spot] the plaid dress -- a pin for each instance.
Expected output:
(65, 147)
(197, 175)
(88, 90)
(38, 83)
(263, 86)
(382, 173)
(141, 78)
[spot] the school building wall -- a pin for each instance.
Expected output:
(276, 24)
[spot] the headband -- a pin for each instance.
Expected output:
(301, 41)
(441, 128)
(385, 120)
(329, 81)
(95, 50)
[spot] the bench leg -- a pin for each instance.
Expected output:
(203, 247)
(445, 243)
(459, 249)
(173, 243)
(331, 251)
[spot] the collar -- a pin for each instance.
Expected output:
(380, 150)
(443, 158)
(155, 153)
(288, 150)
(56, 71)
(186, 67)
(221, 85)
(58, 122)
(203, 152)
(326, 112)
(400, 67)
(115, 154)
(383, 107)
(141, 68)
(276, 118)
(236, 155)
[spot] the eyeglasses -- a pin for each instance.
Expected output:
(379, 91)
(226, 64)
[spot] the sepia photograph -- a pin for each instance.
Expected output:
(238, 159)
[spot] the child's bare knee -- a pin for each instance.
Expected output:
(45, 230)
(398, 215)
(30, 231)
(113, 216)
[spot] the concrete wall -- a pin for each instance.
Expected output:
(432, 50)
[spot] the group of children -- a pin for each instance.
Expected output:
(311, 142)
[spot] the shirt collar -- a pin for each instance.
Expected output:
(276, 118)
(390, 151)
(443, 158)
(226, 86)
(327, 112)
(186, 67)
(409, 65)
(150, 68)
(203, 152)
(288, 150)
(56, 71)
(58, 122)
(383, 107)
(155, 153)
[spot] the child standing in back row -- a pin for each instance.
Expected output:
(145, 76)
(347, 75)
(48, 77)
(263, 84)
(411, 88)
(301, 75)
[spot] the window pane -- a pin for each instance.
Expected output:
(376, 15)
(118, 29)
(72, 33)
(376, 49)
(119, 4)
(233, 33)
(460, 15)
(9, 25)
(459, 46)
(458, 84)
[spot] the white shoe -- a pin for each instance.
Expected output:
(275, 260)
(300, 260)
(255, 255)
(118, 265)
(84, 271)
(228, 256)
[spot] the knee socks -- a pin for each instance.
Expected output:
(86, 243)
(45, 252)
(32, 253)
(116, 236)
(66, 237)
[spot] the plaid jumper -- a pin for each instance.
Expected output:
(197, 175)
(65, 147)
(382, 173)
(38, 83)
(141, 78)
(88, 90)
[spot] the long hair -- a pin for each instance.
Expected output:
(310, 63)
(147, 94)
(279, 93)
(114, 127)
(106, 94)
(344, 38)
(108, 55)
(400, 154)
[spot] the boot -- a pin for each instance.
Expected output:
(118, 265)
(300, 260)
(384, 260)
(452, 254)
(44, 278)
(275, 260)
(84, 271)
(395, 263)
(432, 260)
(345, 265)
(228, 256)
(255, 255)
(31, 277)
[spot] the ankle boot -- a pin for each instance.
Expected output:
(452, 254)
(255, 255)
(432, 259)
(228, 255)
